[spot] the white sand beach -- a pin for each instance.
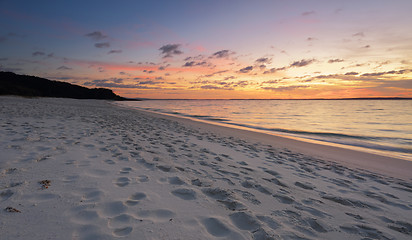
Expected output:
(88, 169)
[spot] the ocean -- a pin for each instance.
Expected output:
(379, 126)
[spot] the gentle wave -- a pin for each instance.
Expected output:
(328, 136)
(377, 129)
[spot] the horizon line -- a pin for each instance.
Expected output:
(361, 98)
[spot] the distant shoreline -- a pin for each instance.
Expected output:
(12, 84)
(272, 99)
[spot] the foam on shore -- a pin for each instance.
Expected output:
(85, 169)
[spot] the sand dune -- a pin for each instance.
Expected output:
(118, 173)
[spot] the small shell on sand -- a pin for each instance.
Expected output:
(12, 209)
(45, 183)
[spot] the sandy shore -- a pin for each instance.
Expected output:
(85, 169)
(399, 168)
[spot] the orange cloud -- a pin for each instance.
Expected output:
(131, 67)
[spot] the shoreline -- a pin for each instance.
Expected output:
(374, 141)
(346, 156)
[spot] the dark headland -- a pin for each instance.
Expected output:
(31, 86)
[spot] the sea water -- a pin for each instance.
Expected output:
(383, 126)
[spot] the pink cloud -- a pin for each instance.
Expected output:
(199, 48)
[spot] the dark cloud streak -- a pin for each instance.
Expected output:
(351, 73)
(302, 63)
(336, 60)
(169, 50)
(222, 54)
(214, 87)
(246, 69)
(215, 73)
(285, 88)
(308, 13)
(193, 64)
(64, 68)
(102, 45)
(38, 53)
(96, 35)
(263, 60)
(273, 70)
(114, 51)
(377, 74)
(116, 83)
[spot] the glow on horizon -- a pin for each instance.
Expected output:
(231, 49)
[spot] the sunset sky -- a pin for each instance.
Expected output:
(214, 49)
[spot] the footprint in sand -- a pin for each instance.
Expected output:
(349, 202)
(97, 172)
(283, 199)
(92, 195)
(135, 198)
(6, 194)
(401, 226)
(276, 181)
(249, 196)
(119, 222)
(260, 188)
(365, 231)
(317, 225)
(176, 181)
(215, 227)
(15, 184)
(146, 164)
(122, 181)
(243, 163)
(70, 179)
(269, 221)
(126, 170)
(90, 231)
(86, 216)
(84, 163)
(357, 217)
(217, 193)
(11, 171)
(157, 215)
(384, 200)
(70, 162)
(113, 208)
(273, 173)
(313, 211)
(122, 232)
(245, 221)
(108, 161)
(185, 193)
(123, 158)
(164, 168)
(142, 178)
(224, 197)
(307, 186)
